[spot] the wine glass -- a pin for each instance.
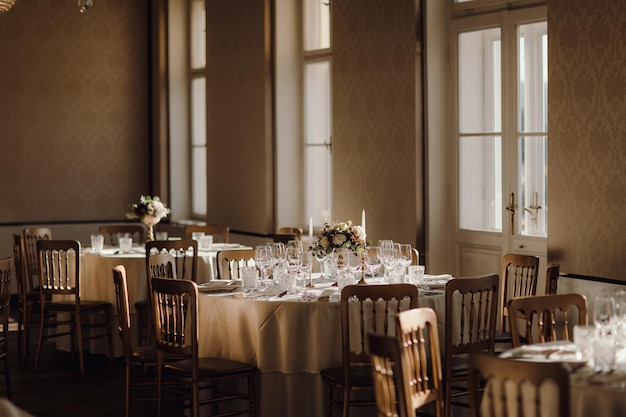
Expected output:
(603, 310)
(263, 260)
(406, 255)
(293, 255)
(278, 252)
(373, 260)
(340, 260)
(306, 269)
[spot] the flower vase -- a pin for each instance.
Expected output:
(150, 222)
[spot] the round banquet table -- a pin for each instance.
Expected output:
(289, 340)
(96, 283)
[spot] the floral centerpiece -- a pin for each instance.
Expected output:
(339, 235)
(149, 211)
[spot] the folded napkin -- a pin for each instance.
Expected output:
(219, 285)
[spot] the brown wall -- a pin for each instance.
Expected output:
(73, 110)
(587, 144)
(377, 118)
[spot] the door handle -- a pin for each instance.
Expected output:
(511, 209)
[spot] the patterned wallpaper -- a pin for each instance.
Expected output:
(587, 145)
(377, 140)
(73, 110)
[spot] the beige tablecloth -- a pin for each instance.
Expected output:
(290, 341)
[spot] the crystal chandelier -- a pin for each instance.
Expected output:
(5, 5)
(83, 5)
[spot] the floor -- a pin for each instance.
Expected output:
(59, 389)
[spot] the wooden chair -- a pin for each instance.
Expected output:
(229, 261)
(387, 376)
(27, 298)
(185, 255)
(415, 260)
(552, 278)
(470, 326)
(59, 262)
(546, 317)
(532, 386)
(174, 303)
(289, 230)
(284, 237)
(134, 358)
(421, 360)
(30, 256)
(382, 302)
(220, 232)
(519, 279)
(6, 267)
(110, 231)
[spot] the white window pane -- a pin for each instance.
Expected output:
(198, 112)
(198, 34)
(198, 181)
(533, 77)
(318, 183)
(480, 186)
(480, 81)
(533, 165)
(317, 102)
(316, 24)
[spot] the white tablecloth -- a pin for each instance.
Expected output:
(96, 282)
(290, 341)
(591, 394)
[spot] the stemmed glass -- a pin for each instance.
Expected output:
(306, 268)
(278, 252)
(406, 256)
(373, 260)
(603, 311)
(293, 254)
(389, 255)
(264, 261)
(340, 260)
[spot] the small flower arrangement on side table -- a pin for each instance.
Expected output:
(149, 211)
(338, 235)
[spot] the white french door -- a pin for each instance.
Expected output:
(501, 137)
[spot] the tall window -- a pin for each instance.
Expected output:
(317, 111)
(197, 79)
(502, 137)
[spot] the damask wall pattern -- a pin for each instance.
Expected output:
(73, 110)
(587, 143)
(377, 125)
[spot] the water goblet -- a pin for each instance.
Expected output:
(373, 260)
(603, 310)
(293, 255)
(306, 269)
(340, 260)
(263, 260)
(406, 256)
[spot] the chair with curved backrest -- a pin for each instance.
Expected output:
(6, 266)
(175, 313)
(110, 231)
(139, 357)
(387, 376)
(184, 252)
(421, 359)
(470, 326)
(27, 297)
(530, 386)
(289, 230)
(415, 260)
(359, 304)
(30, 256)
(59, 262)
(546, 317)
(229, 261)
(552, 278)
(284, 237)
(519, 279)
(220, 232)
